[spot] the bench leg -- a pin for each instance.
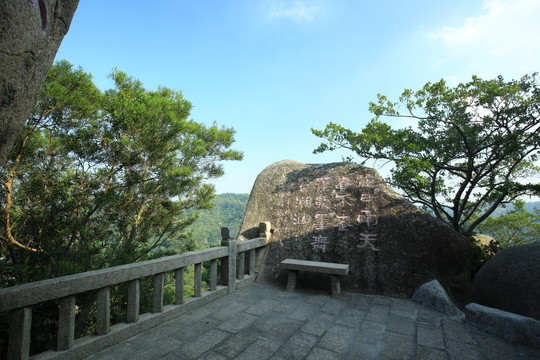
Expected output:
(291, 281)
(336, 284)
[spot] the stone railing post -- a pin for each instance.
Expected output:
(133, 301)
(103, 305)
(66, 323)
(265, 230)
(228, 264)
(179, 278)
(197, 280)
(19, 333)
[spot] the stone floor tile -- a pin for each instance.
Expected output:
(237, 323)
(457, 331)
(381, 300)
(316, 328)
(196, 348)
(378, 313)
(301, 314)
(429, 336)
(213, 356)
(377, 317)
(360, 351)
(229, 312)
(286, 329)
(262, 308)
(298, 346)
(324, 317)
(318, 299)
(170, 356)
(428, 316)
(404, 307)
(268, 322)
(260, 349)
(235, 344)
(370, 332)
(427, 353)
(187, 331)
(121, 351)
(350, 317)
(337, 338)
(462, 351)
(200, 312)
(401, 324)
(284, 307)
(333, 306)
(322, 354)
(396, 346)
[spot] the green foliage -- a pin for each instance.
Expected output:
(228, 210)
(473, 148)
(101, 179)
(515, 227)
(481, 253)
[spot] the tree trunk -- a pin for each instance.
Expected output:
(26, 56)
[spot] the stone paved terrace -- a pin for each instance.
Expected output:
(266, 322)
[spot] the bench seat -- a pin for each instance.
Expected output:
(335, 271)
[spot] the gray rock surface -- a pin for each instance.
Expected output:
(344, 213)
(506, 325)
(510, 281)
(433, 295)
(26, 55)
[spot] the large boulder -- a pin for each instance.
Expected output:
(510, 281)
(344, 213)
(29, 38)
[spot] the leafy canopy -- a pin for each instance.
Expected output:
(103, 178)
(514, 227)
(473, 147)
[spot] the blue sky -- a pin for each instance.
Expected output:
(273, 69)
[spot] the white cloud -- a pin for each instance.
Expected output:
(504, 35)
(298, 12)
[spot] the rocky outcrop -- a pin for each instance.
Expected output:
(432, 294)
(344, 213)
(29, 38)
(510, 281)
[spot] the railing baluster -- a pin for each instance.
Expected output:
(66, 323)
(252, 255)
(241, 267)
(228, 263)
(157, 305)
(20, 323)
(179, 291)
(197, 286)
(133, 301)
(213, 275)
(103, 305)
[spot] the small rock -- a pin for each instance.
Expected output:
(433, 295)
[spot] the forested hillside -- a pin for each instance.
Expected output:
(228, 211)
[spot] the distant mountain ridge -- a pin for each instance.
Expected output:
(228, 210)
(529, 206)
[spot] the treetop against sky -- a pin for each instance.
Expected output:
(274, 69)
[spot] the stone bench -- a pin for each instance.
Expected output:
(335, 271)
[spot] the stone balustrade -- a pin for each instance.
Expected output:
(18, 300)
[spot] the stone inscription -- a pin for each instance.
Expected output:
(343, 203)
